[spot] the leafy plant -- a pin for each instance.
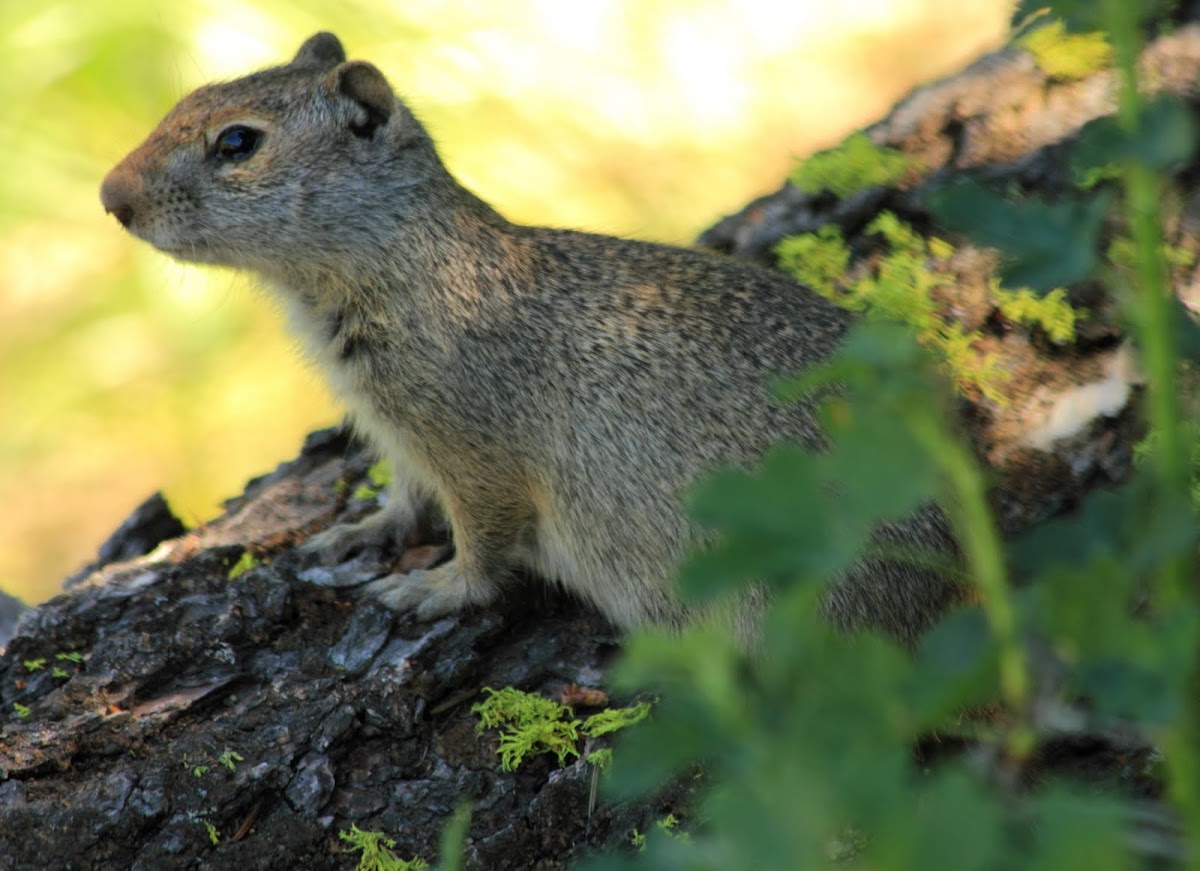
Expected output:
(855, 164)
(375, 851)
(1051, 312)
(809, 745)
(230, 759)
(1061, 54)
(901, 284)
(245, 563)
(529, 723)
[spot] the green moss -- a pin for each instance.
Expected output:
(668, 825)
(214, 834)
(376, 851)
(230, 758)
(528, 723)
(380, 475)
(34, 664)
(59, 672)
(614, 718)
(21, 710)
(1051, 312)
(70, 656)
(1067, 56)
(855, 164)
(899, 287)
(245, 563)
(817, 259)
(601, 758)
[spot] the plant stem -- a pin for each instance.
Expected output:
(985, 557)
(1151, 310)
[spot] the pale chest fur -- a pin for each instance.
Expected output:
(350, 383)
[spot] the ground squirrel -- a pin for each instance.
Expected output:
(556, 392)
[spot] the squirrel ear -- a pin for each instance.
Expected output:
(365, 85)
(320, 50)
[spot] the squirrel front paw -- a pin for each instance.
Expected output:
(433, 592)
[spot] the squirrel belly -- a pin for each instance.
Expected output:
(555, 392)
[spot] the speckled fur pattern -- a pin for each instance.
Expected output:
(556, 392)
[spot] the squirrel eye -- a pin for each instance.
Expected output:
(236, 143)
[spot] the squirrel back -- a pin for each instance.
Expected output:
(556, 392)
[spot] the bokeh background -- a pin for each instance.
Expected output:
(122, 372)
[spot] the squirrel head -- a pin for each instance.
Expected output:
(277, 167)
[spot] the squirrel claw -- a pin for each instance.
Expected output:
(338, 542)
(431, 593)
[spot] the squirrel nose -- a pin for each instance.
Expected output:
(116, 195)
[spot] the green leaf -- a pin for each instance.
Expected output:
(1047, 245)
(951, 823)
(1165, 138)
(1076, 830)
(1083, 15)
(955, 668)
(1132, 524)
(1186, 329)
(1096, 530)
(682, 733)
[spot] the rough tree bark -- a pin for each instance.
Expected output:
(343, 712)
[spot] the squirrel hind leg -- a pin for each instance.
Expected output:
(433, 593)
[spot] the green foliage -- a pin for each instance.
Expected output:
(819, 260)
(1051, 312)
(807, 745)
(855, 164)
(1048, 245)
(1082, 16)
(230, 759)
(614, 719)
(668, 826)
(900, 286)
(21, 710)
(245, 563)
(1165, 139)
(454, 837)
(380, 475)
(529, 723)
(214, 834)
(70, 656)
(1063, 55)
(34, 664)
(601, 758)
(1145, 453)
(1122, 254)
(376, 851)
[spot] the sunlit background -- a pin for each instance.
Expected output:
(122, 372)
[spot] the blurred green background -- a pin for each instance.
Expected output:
(122, 372)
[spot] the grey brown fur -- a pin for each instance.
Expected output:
(556, 392)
